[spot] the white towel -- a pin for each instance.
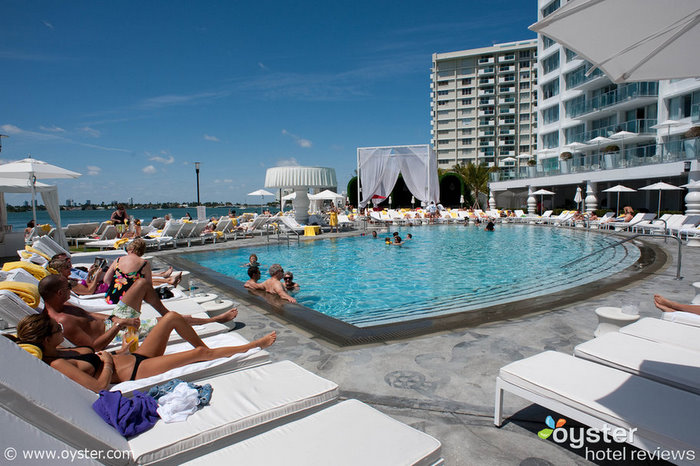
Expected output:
(177, 405)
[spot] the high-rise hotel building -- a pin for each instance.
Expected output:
(483, 104)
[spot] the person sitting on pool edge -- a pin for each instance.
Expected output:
(289, 283)
(273, 285)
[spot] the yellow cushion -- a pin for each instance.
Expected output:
(38, 271)
(27, 291)
(120, 242)
(32, 349)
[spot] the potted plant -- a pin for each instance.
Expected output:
(611, 153)
(564, 161)
(531, 168)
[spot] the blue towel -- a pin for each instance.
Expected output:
(130, 416)
(204, 391)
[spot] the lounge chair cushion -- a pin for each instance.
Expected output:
(245, 399)
(240, 400)
(203, 369)
(348, 433)
(687, 318)
(662, 331)
(613, 396)
(670, 365)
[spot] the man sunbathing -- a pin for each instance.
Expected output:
(666, 305)
(89, 329)
(273, 284)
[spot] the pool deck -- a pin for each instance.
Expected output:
(444, 383)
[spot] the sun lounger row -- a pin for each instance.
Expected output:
(644, 379)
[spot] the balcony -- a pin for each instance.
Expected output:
(506, 121)
(507, 153)
(489, 132)
(486, 92)
(506, 79)
(486, 82)
(641, 127)
(486, 143)
(485, 71)
(506, 58)
(506, 90)
(507, 132)
(506, 68)
(483, 113)
(506, 100)
(637, 156)
(695, 113)
(626, 93)
(486, 101)
(506, 110)
(486, 61)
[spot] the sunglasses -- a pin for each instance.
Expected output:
(288, 278)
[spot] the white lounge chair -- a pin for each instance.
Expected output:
(601, 397)
(349, 433)
(638, 218)
(666, 364)
(663, 331)
(61, 409)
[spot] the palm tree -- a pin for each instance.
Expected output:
(476, 178)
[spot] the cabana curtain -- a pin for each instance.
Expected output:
(379, 168)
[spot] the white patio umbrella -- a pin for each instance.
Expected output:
(508, 159)
(619, 189)
(668, 124)
(621, 135)
(542, 193)
(262, 193)
(630, 40)
(32, 169)
(660, 186)
(578, 197)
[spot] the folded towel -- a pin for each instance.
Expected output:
(27, 291)
(38, 271)
(36, 251)
(120, 242)
(32, 349)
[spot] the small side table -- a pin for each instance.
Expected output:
(611, 319)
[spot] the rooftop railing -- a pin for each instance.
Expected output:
(619, 95)
(633, 156)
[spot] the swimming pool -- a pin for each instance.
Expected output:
(445, 269)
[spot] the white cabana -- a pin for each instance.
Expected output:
(49, 194)
(378, 169)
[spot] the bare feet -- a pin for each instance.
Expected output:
(227, 316)
(174, 279)
(266, 341)
(664, 304)
(167, 273)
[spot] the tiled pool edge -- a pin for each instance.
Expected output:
(340, 333)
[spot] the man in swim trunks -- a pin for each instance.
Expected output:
(273, 284)
(90, 329)
(254, 274)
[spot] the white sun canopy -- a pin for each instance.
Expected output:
(379, 167)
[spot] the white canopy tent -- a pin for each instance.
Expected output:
(378, 169)
(49, 194)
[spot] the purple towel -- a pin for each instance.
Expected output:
(130, 416)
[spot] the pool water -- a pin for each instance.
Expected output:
(443, 269)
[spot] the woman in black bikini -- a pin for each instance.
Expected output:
(96, 371)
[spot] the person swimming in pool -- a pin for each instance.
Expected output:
(289, 284)
(252, 261)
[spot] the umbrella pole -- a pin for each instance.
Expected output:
(34, 199)
(617, 212)
(658, 210)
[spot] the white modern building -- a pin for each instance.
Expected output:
(483, 104)
(594, 134)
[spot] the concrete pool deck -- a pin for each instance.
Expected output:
(444, 383)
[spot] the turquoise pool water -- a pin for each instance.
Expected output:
(444, 269)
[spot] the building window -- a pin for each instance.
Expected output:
(443, 92)
(524, 54)
(466, 82)
(467, 91)
(524, 117)
(551, 8)
(550, 64)
(550, 140)
(550, 115)
(443, 83)
(524, 86)
(442, 102)
(525, 75)
(550, 89)
(468, 141)
(575, 106)
(574, 134)
(547, 42)
(570, 55)
(681, 106)
(524, 65)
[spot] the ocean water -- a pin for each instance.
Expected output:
(444, 269)
(19, 220)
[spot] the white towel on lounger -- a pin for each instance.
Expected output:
(177, 405)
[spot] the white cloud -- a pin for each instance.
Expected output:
(290, 162)
(90, 131)
(211, 138)
(93, 170)
(48, 25)
(226, 181)
(262, 66)
(52, 129)
(173, 99)
(10, 129)
(149, 170)
(301, 142)
(166, 161)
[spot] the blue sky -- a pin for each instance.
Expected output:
(130, 94)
